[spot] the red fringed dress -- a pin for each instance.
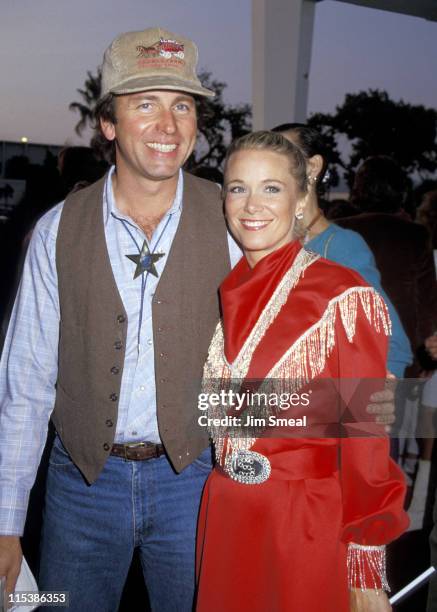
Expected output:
(317, 525)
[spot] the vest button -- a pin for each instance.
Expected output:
(109, 423)
(113, 397)
(121, 318)
(106, 446)
(115, 370)
(118, 345)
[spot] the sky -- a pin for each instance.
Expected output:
(47, 46)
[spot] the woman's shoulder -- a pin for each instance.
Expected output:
(347, 235)
(339, 240)
(332, 277)
(347, 248)
(344, 297)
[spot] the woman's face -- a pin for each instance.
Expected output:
(262, 198)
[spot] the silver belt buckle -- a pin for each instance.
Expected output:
(247, 467)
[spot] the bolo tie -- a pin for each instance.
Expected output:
(145, 261)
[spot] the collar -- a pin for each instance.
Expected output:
(246, 291)
(110, 208)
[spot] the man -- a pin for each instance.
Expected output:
(111, 326)
(128, 271)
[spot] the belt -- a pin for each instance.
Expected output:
(137, 451)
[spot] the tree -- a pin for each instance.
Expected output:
(376, 125)
(90, 94)
(218, 122)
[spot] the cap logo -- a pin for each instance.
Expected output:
(164, 47)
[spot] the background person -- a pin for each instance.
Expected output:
(401, 248)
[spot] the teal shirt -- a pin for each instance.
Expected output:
(349, 249)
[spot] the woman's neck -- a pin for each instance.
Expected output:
(319, 226)
(314, 221)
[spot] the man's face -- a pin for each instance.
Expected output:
(155, 133)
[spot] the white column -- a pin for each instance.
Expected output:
(282, 32)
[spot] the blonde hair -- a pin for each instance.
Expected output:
(264, 140)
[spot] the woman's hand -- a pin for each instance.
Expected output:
(369, 600)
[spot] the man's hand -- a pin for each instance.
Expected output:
(431, 346)
(10, 560)
(383, 403)
(369, 600)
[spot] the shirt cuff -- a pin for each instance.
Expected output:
(366, 567)
(13, 510)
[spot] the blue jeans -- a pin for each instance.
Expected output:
(90, 532)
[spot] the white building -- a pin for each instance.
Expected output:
(282, 33)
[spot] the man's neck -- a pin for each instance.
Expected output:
(145, 201)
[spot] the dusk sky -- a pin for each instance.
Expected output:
(46, 47)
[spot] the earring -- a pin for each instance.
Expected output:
(302, 204)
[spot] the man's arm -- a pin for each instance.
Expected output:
(382, 403)
(28, 372)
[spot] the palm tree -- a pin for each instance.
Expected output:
(90, 94)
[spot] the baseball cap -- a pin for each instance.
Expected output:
(151, 59)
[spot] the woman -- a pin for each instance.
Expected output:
(341, 245)
(279, 530)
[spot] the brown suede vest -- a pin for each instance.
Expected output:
(93, 326)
